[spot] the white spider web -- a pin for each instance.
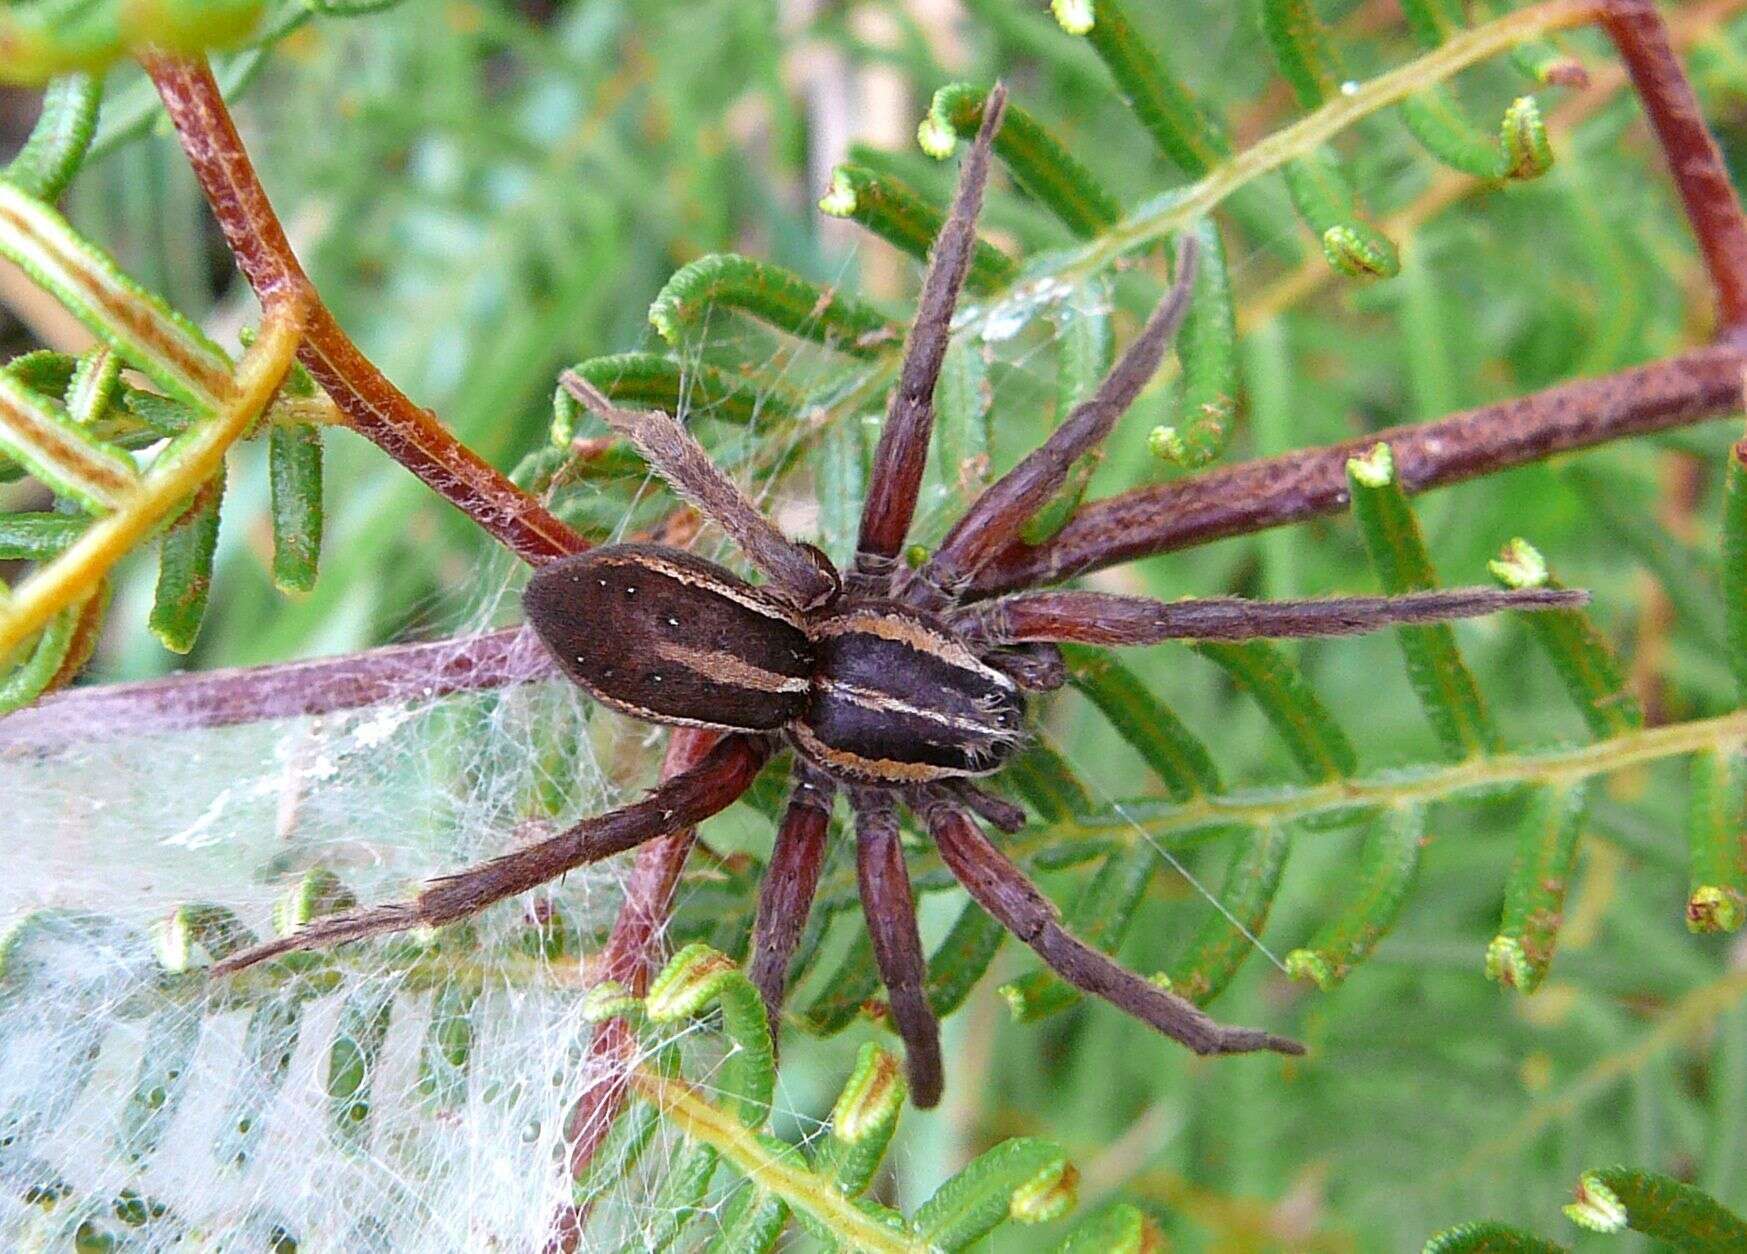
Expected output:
(151, 1111)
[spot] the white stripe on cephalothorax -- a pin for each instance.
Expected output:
(885, 703)
(917, 635)
(741, 594)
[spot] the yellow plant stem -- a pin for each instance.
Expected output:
(682, 1106)
(74, 574)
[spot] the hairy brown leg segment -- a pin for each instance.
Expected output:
(708, 788)
(786, 893)
(1001, 888)
(890, 908)
(799, 573)
(902, 452)
(1112, 619)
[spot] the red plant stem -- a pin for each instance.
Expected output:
(1253, 496)
(1640, 34)
(629, 957)
(373, 406)
(224, 698)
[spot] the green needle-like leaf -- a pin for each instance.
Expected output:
(783, 299)
(698, 977)
(1170, 749)
(1534, 895)
(1585, 663)
(1688, 1219)
(1716, 833)
(294, 474)
(1441, 680)
(1220, 946)
(899, 215)
(1207, 347)
(59, 140)
(1037, 160)
(1027, 1179)
(185, 568)
(1388, 865)
(1268, 677)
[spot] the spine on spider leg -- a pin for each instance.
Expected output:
(1441, 680)
(1534, 895)
(1388, 866)
(1716, 834)
(1587, 668)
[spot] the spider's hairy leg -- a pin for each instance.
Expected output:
(903, 448)
(689, 797)
(1005, 506)
(1112, 619)
(997, 812)
(786, 895)
(1001, 888)
(799, 573)
(890, 909)
(1035, 667)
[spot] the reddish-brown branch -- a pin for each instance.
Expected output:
(630, 957)
(1253, 496)
(373, 406)
(223, 698)
(1638, 31)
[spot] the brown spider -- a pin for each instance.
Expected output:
(884, 682)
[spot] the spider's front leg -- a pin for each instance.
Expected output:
(1111, 619)
(688, 798)
(902, 453)
(1000, 887)
(799, 574)
(996, 516)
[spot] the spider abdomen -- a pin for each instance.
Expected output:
(671, 638)
(898, 698)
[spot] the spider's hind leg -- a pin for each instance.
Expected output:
(786, 895)
(1002, 889)
(890, 909)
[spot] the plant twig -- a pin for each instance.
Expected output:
(224, 698)
(373, 406)
(1638, 31)
(1256, 495)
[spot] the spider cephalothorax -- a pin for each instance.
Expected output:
(889, 685)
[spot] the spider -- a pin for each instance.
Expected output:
(886, 682)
